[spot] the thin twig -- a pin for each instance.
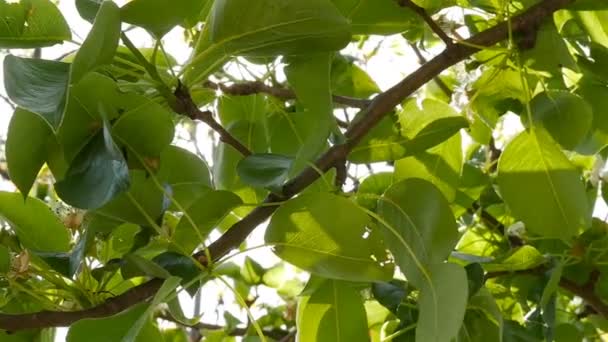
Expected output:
(257, 87)
(186, 106)
(429, 21)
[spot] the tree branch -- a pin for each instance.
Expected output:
(186, 106)
(379, 106)
(429, 21)
(256, 87)
(444, 87)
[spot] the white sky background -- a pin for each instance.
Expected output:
(391, 64)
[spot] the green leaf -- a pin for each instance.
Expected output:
(101, 42)
(145, 13)
(37, 85)
(270, 28)
(442, 303)
(252, 272)
(483, 320)
(206, 212)
(390, 294)
(235, 108)
(323, 234)
(31, 24)
(34, 223)
(334, 312)
(97, 175)
(5, 260)
(112, 328)
(566, 116)
(264, 170)
(382, 143)
(348, 79)
(550, 52)
(382, 17)
(310, 78)
(429, 124)
(441, 166)
(139, 265)
(523, 258)
(26, 148)
(146, 127)
(534, 176)
(597, 138)
(88, 8)
(419, 227)
(372, 188)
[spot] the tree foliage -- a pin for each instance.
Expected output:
(463, 228)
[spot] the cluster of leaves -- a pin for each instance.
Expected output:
(485, 241)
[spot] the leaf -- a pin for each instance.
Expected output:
(88, 8)
(419, 227)
(270, 28)
(37, 85)
(145, 127)
(442, 303)
(323, 234)
(372, 188)
(382, 143)
(97, 175)
(549, 52)
(252, 272)
(483, 320)
(441, 166)
(34, 223)
(32, 24)
(429, 124)
(100, 44)
(524, 258)
(334, 312)
(535, 177)
(144, 13)
(566, 116)
(5, 260)
(348, 79)
(112, 328)
(206, 212)
(381, 17)
(390, 294)
(597, 137)
(139, 265)
(26, 148)
(264, 170)
(253, 108)
(310, 78)
(165, 290)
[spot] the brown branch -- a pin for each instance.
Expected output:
(186, 106)
(256, 87)
(380, 106)
(429, 21)
(585, 291)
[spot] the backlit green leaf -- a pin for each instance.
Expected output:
(324, 234)
(378, 16)
(535, 177)
(144, 13)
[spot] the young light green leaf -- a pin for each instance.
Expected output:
(34, 223)
(348, 79)
(270, 28)
(419, 226)
(324, 234)
(37, 85)
(566, 116)
(440, 165)
(442, 303)
(524, 258)
(101, 42)
(26, 148)
(144, 13)
(333, 312)
(30, 24)
(97, 175)
(265, 170)
(535, 177)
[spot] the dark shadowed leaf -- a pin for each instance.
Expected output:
(264, 170)
(145, 13)
(37, 85)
